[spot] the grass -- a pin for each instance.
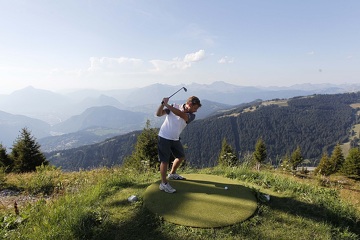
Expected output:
(93, 205)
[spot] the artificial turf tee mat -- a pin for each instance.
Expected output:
(202, 201)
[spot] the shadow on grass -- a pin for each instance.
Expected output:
(143, 225)
(315, 212)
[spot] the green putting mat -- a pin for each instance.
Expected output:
(202, 201)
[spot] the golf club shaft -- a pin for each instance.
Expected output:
(173, 94)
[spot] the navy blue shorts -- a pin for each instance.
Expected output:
(167, 147)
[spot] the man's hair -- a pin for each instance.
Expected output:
(194, 101)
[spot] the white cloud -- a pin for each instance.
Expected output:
(226, 59)
(164, 66)
(125, 65)
(195, 57)
(311, 53)
(178, 63)
(114, 64)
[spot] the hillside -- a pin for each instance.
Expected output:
(315, 123)
(107, 153)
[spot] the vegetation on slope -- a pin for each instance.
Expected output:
(94, 205)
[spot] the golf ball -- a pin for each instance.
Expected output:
(226, 188)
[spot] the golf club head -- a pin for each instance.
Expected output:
(185, 89)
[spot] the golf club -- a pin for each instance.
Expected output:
(176, 93)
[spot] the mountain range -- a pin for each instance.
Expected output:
(74, 118)
(315, 123)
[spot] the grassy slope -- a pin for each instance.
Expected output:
(93, 205)
(346, 146)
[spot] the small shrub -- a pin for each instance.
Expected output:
(45, 181)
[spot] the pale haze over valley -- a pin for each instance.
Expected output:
(104, 45)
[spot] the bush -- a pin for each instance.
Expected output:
(2, 177)
(45, 181)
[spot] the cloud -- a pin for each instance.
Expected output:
(178, 63)
(125, 65)
(195, 57)
(164, 66)
(310, 53)
(114, 64)
(225, 60)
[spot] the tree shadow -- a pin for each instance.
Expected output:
(317, 213)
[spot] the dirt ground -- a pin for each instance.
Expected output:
(8, 198)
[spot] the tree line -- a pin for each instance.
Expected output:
(145, 158)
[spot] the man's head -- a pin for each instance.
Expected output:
(193, 104)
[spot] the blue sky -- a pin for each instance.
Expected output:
(121, 44)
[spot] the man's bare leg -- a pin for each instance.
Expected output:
(163, 171)
(177, 162)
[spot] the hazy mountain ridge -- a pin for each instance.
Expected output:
(315, 123)
(104, 116)
(11, 125)
(65, 111)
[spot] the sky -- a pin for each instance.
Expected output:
(122, 44)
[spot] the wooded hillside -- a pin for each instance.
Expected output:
(314, 123)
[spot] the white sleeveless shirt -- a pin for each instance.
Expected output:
(173, 124)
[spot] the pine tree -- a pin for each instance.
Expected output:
(26, 154)
(260, 154)
(337, 158)
(285, 165)
(325, 167)
(145, 154)
(5, 160)
(351, 166)
(296, 158)
(227, 156)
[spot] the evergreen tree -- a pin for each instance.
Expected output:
(26, 154)
(145, 154)
(351, 166)
(259, 153)
(227, 156)
(5, 160)
(285, 165)
(296, 158)
(325, 167)
(337, 158)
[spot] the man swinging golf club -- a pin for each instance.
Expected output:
(177, 117)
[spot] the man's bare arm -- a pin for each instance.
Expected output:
(177, 112)
(160, 112)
